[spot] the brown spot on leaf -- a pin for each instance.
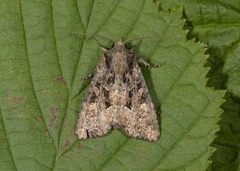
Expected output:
(54, 111)
(140, 152)
(67, 142)
(3, 139)
(39, 119)
(61, 80)
(14, 100)
(81, 146)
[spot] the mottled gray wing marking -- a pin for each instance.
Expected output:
(91, 122)
(144, 122)
(118, 98)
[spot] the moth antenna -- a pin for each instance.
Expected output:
(101, 36)
(140, 38)
(140, 41)
(104, 49)
(99, 44)
(135, 47)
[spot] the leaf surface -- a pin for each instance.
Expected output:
(216, 23)
(48, 47)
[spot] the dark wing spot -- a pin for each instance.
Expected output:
(98, 84)
(88, 134)
(130, 60)
(93, 97)
(129, 102)
(108, 60)
(125, 78)
(143, 98)
(106, 95)
(111, 79)
(139, 85)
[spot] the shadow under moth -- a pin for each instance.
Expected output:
(118, 98)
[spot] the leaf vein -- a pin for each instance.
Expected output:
(31, 79)
(133, 25)
(107, 18)
(10, 150)
(116, 151)
(188, 129)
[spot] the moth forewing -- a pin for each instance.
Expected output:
(118, 98)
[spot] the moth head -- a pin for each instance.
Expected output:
(119, 44)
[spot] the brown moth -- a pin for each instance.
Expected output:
(118, 98)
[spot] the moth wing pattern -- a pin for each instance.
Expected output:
(91, 123)
(143, 122)
(118, 98)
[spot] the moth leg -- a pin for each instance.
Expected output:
(104, 49)
(136, 46)
(87, 77)
(146, 64)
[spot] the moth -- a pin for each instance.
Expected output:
(118, 98)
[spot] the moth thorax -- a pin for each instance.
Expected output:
(120, 64)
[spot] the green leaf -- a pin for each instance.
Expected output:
(232, 69)
(227, 142)
(48, 47)
(217, 24)
(214, 22)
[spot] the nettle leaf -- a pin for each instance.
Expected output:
(232, 69)
(49, 46)
(214, 22)
(227, 142)
(217, 24)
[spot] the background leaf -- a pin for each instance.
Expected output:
(217, 24)
(47, 47)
